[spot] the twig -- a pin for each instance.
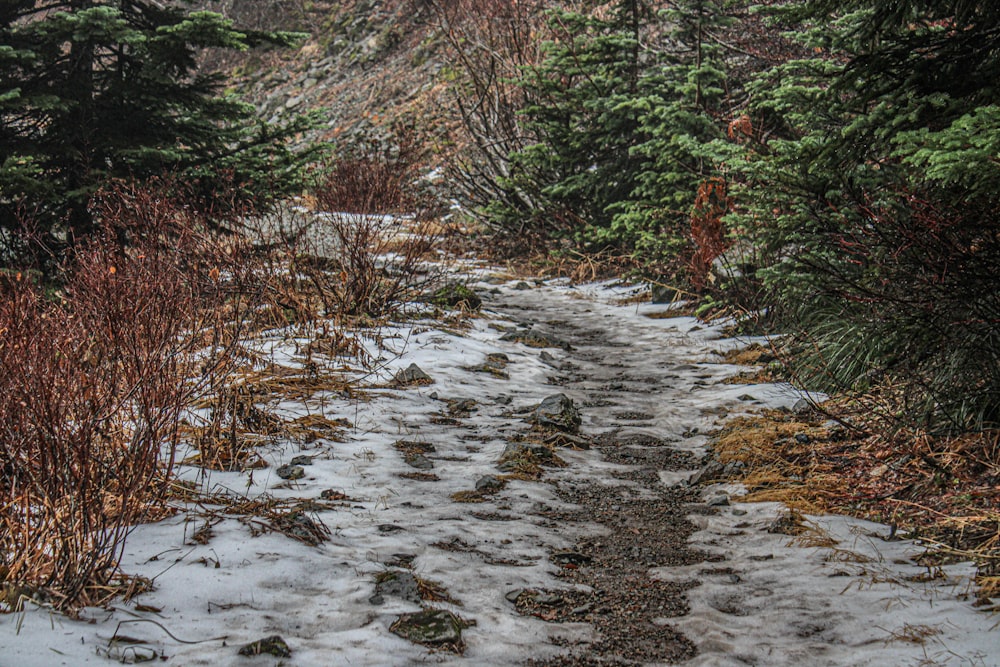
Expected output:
(161, 626)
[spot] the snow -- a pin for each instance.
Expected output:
(848, 603)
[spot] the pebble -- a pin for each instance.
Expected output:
(291, 472)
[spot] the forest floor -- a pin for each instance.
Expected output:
(540, 494)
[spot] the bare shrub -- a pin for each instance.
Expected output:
(98, 368)
(91, 389)
(376, 229)
(491, 42)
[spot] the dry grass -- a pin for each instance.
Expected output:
(943, 490)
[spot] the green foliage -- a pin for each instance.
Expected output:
(876, 194)
(625, 110)
(92, 90)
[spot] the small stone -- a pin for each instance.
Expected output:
(418, 461)
(401, 585)
(490, 484)
(547, 599)
(557, 412)
(513, 595)
(431, 626)
(389, 528)
(273, 645)
(719, 501)
(801, 406)
(290, 472)
(745, 397)
(332, 494)
(301, 460)
(570, 558)
(802, 439)
(738, 512)
(582, 609)
(522, 286)
(412, 375)
(376, 600)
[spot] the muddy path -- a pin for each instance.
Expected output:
(638, 393)
(446, 517)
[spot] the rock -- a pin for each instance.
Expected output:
(512, 596)
(461, 407)
(802, 439)
(786, 525)
(273, 645)
(299, 526)
(455, 295)
(400, 560)
(547, 599)
(332, 494)
(557, 412)
(522, 286)
(714, 470)
(301, 460)
(290, 472)
(516, 452)
(401, 585)
(490, 484)
(389, 528)
(660, 294)
(801, 406)
(733, 468)
(719, 501)
(549, 360)
(412, 375)
(418, 461)
(533, 338)
(570, 558)
(431, 626)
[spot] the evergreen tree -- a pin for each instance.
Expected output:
(882, 184)
(682, 120)
(581, 162)
(97, 89)
(626, 107)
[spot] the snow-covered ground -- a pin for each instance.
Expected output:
(839, 595)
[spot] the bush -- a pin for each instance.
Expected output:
(91, 389)
(376, 232)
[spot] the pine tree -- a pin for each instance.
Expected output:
(882, 184)
(626, 106)
(581, 162)
(98, 89)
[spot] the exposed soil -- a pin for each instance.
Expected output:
(642, 522)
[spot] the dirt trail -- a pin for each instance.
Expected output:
(431, 503)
